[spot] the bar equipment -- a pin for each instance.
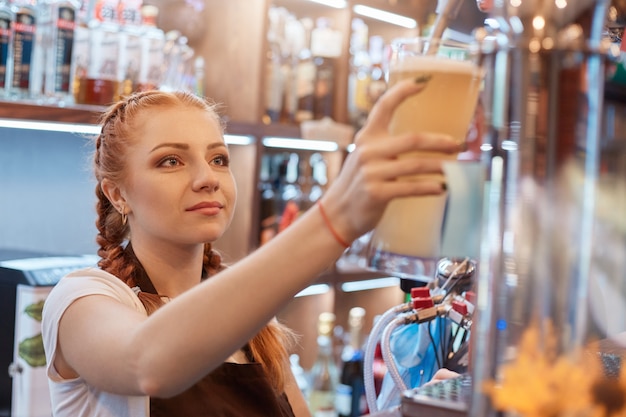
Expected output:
(420, 336)
(543, 248)
(26, 279)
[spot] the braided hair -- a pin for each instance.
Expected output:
(271, 345)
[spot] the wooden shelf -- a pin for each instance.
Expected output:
(24, 110)
(89, 114)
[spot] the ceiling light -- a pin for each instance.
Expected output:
(337, 4)
(294, 143)
(51, 127)
(370, 284)
(394, 19)
(315, 289)
(89, 129)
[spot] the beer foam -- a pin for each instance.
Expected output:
(432, 63)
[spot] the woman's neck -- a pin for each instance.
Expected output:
(172, 269)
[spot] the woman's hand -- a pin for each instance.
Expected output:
(441, 375)
(368, 180)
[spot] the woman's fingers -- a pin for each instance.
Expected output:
(443, 374)
(387, 146)
(411, 166)
(380, 116)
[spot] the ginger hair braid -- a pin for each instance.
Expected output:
(271, 346)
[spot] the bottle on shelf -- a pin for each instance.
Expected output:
(268, 222)
(80, 51)
(24, 44)
(359, 76)
(294, 41)
(299, 374)
(177, 54)
(377, 83)
(305, 76)
(324, 375)
(291, 193)
(151, 64)
(325, 47)
(99, 84)
(275, 76)
(351, 401)
(317, 180)
(53, 75)
(130, 20)
(7, 23)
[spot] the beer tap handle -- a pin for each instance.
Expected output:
(446, 11)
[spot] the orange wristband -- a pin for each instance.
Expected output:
(330, 227)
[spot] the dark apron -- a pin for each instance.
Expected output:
(231, 390)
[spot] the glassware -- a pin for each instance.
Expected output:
(407, 240)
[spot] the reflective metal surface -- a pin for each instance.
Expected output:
(546, 63)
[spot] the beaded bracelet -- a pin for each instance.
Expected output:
(330, 227)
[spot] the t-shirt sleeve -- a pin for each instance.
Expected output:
(78, 284)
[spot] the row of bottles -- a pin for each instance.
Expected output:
(366, 81)
(301, 66)
(336, 387)
(302, 63)
(289, 184)
(89, 52)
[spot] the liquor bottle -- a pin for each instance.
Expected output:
(294, 39)
(100, 83)
(152, 50)
(318, 180)
(7, 23)
(325, 47)
(377, 84)
(268, 222)
(24, 42)
(305, 76)
(324, 374)
(351, 400)
(275, 77)
(56, 32)
(174, 56)
(299, 374)
(359, 76)
(291, 193)
(80, 50)
(130, 20)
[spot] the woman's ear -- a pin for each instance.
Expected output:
(114, 194)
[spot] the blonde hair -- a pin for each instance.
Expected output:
(271, 345)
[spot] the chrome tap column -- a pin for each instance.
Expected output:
(543, 99)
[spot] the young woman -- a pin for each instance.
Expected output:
(162, 327)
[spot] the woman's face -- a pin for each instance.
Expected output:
(179, 186)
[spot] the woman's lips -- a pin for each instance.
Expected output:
(210, 208)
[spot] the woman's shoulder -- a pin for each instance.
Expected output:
(92, 281)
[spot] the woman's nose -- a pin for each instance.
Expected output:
(205, 178)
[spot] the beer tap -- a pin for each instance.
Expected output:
(446, 11)
(545, 64)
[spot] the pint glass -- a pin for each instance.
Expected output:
(408, 237)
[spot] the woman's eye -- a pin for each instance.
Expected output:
(221, 160)
(170, 161)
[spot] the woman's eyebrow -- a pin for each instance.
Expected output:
(184, 146)
(170, 145)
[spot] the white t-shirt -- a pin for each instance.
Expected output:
(74, 397)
